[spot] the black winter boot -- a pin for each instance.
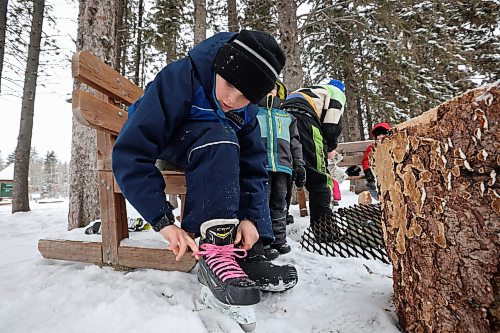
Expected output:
(281, 248)
(268, 276)
(271, 253)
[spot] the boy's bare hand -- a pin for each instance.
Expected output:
(179, 240)
(247, 234)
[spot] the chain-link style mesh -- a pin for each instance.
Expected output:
(354, 231)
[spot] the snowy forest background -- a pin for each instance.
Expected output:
(397, 58)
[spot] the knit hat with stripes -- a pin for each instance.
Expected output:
(251, 63)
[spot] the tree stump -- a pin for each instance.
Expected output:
(439, 186)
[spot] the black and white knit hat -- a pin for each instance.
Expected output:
(251, 63)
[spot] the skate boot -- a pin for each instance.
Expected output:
(268, 276)
(225, 286)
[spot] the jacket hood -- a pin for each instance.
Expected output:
(203, 56)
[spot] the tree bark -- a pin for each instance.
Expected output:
(96, 33)
(361, 126)
(200, 21)
(3, 29)
(138, 49)
(289, 35)
(350, 127)
(232, 16)
(20, 200)
(438, 178)
(120, 31)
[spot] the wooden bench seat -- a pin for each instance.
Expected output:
(103, 110)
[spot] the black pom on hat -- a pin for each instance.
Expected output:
(251, 63)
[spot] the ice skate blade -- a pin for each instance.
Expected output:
(244, 315)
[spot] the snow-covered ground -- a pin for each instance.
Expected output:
(40, 295)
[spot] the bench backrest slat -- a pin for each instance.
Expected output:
(353, 147)
(90, 70)
(97, 113)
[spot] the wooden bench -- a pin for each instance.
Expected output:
(353, 155)
(103, 110)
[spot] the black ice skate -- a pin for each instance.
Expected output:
(226, 287)
(269, 277)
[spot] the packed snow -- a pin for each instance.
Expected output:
(40, 295)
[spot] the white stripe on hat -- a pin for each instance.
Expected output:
(258, 56)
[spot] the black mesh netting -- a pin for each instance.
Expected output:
(354, 231)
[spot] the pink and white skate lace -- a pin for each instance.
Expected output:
(220, 259)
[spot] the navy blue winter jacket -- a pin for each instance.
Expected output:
(184, 91)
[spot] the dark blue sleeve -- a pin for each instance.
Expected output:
(146, 132)
(253, 180)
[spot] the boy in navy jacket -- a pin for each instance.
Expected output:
(199, 114)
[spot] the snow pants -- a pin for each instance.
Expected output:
(209, 154)
(277, 205)
(318, 180)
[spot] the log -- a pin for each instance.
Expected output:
(439, 186)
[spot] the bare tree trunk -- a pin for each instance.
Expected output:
(289, 34)
(20, 200)
(120, 31)
(360, 117)
(96, 18)
(200, 21)
(232, 16)
(350, 126)
(125, 38)
(3, 29)
(440, 214)
(137, 58)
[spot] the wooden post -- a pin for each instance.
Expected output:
(112, 205)
(301, 198)
(439, 189)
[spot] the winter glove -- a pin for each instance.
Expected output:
(299, 175)
(353, 170)
(369, 175)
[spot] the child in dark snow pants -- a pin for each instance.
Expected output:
(199, 114)
(318, 110)
(284, 155)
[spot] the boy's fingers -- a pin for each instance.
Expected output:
(247, 245)
(172, 243)
(182, 250)
(237, 240)
(192, 244)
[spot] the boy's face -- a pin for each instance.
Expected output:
(228, 96)
(381, 136)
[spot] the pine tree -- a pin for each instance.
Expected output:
(49, 183)
(96, 18)
(260, 15)
(163, 39)
(20, 200)
(200, 20)
(3, 28)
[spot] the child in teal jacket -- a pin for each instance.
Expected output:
(279, 133)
